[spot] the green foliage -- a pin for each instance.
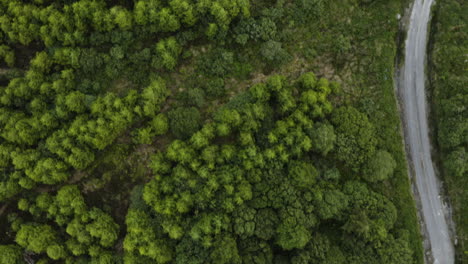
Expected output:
(379, 167)
(208, 197)
(396, 250)
(456, 163)
(8, 55)
(9, 186)
(142, 135)
(355, 136)
(159, 125)
(151, 98)
(370, 29)
(215, 87)
(69, 201)
(75, 102)
(142, 238)
(302, 174)
(56, 252)
(323, 138)
(49, 171)
(330, 203)
(184, 121)
(255, 251)
(218, 63)
(192, 97)
(86, 230)
(273, 52)
(122, 17)
(23, 204)
(268, 220)
(373, 215)
(260, 181)
(308, 9)
(36, 238)
(226, 252)
(103, 227)
(255, 29)
(320, 250)
(10, 254)
(167, 53)
(290, 237)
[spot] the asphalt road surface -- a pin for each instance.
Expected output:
(412, 92)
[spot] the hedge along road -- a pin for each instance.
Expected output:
(412, 92)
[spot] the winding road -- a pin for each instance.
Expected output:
(413, 101)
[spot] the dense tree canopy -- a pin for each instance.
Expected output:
(268, 191)
(138, 132)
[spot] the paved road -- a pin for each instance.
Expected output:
(413, 96)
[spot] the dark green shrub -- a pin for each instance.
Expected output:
(184, 121)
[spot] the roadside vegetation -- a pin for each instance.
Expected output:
(202, 132)
(449, 82)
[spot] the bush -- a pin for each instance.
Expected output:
(307, 9)
(192, 97)
(184, 121)
(355, 136)
(379, 167)
(323, 138)
(10, 254)
(251, 29)
(273, 52)
(218, 63)
(215, 87)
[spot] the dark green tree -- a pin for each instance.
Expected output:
(379, 167)
(184, 121)
(355, 136)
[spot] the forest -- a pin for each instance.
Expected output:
(449, 94)
(209, 131)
